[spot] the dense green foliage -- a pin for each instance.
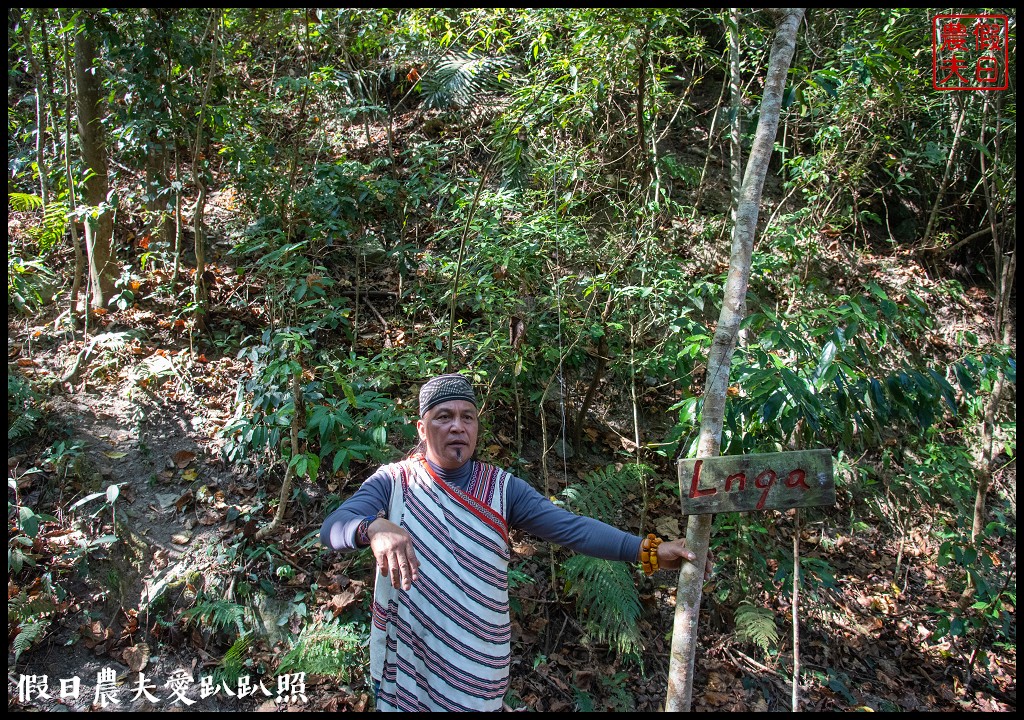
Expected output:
(539, 198)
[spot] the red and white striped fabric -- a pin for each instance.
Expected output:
(443, 645)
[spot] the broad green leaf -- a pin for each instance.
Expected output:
(29, 521)
(771, 408)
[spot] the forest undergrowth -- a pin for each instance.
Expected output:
(302, 235)
(164, 574)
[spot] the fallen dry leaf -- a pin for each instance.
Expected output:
(182, 502)
(713, 697)
(136, 657)
(210, 517)
(342, 601)
(667, 527)
(183, 457)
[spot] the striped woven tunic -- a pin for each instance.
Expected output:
(444, 645)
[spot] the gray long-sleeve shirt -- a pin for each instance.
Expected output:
(527, 510)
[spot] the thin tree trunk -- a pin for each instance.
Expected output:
(99, 226)
(44, 190)
(177, 224)
(602, 364)
(795, 695)
(286, 201)
(200, 291)
(298, 422)
(945, 176)
(736, 133)
(450, 364)
(157, 156)
(76, 280)
(641, 122)
(735, 147)
(712, 131)
(634, 398)
(698, 533)
(1004, 275)
(50, 86)
(156, 170)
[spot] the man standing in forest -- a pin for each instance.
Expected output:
(438, 524)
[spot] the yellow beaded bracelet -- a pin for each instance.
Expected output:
(649, 554)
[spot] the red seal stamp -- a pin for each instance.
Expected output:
(970, 52)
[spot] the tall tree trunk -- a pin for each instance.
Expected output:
(99, 225)
(44, 190)
(200, 291)
(76, 280)
(48, 68)
(698, 531)
(1003, 276)
(736, 133)
(178, 227)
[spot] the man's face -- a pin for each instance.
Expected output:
(449, 430)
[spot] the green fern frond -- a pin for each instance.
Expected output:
(326, 648)
(21, 202)
(23, 425)
(28, 634)
(55, 218)
(32, 616)
(22, 608)
(757, 625)
(515, 156)
(55, 224)
(607, 492)
(232, 665)
(607, 601)
(221, 615)
(583, 701)
(460, 80)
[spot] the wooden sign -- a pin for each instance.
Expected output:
(741, 483)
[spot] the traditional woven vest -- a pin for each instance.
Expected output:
(444, 645)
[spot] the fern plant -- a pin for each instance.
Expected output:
(232, 664)
(327, 648)
(54, 223)
(22, 408)
(29, 617)
(757, 625)
(218, 614)
(606, 492)
(606, 600)
(462, 79)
